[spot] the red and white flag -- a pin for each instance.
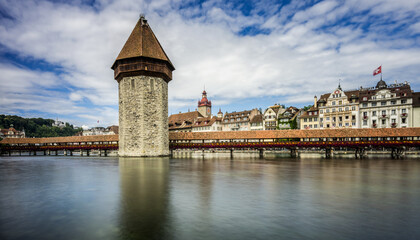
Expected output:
(377, 71)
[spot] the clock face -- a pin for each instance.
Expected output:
(336, 91)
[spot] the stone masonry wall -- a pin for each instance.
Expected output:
(143, 117)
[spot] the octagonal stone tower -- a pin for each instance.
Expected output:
(143, 70)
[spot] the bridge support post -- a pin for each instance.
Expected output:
(293, 152)
(360, 153)
(261, 153)
(88, 153)
(172, 153)
(10, 153)
(231, 153)
(56, 152)
(397, 153)
(328, 153)
(20, 153)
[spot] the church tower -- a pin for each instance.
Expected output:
(143, 70)
(204, 105)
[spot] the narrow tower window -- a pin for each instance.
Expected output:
(152, 83)
(132, 84)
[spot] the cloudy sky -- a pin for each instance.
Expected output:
(55, 56)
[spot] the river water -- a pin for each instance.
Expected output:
(247, 198)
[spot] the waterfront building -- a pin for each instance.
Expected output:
(288, 119)
(143, 71)
(257, 122)
(310, 118)
(271, 114)
(111, 130)
(416, 110)
(339, 109)
(386, 106)
(207, 124)
(183, 122)
(198, 120)
(239, 121)
(12, 133)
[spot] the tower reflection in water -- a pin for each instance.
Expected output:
(144, 198)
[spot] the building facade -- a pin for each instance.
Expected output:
(271, 114)
(288, 119)
(386, 106)
(382, 106)
(12, 133)
(239, 121)
(339, 109)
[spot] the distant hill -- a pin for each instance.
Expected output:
(37, 127)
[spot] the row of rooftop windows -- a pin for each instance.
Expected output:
(384, 122)
(328, 125)
(384, 103)
(384, 112)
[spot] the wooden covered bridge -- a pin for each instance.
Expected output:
(396, 140)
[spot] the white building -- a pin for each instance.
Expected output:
(239, 121)
(271, 115)
(387, 106)
(339, 109)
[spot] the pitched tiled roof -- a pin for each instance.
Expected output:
(142, 42)
(235, 115)
(416, 99)
(183, 120)
(257, 119)
(402, 91)
(273, 134)
(276, 108)
(203, 122)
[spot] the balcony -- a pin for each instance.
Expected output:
(393, 125)
(384, 116)
(365, 117)
(404, 115)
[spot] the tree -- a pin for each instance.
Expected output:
(306, 108)
(37, 127)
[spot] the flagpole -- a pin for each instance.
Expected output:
(381, 72)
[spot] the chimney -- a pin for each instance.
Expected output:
(315, 102)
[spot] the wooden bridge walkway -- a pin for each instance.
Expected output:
(359, 140)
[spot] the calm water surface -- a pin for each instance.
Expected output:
(162, 198)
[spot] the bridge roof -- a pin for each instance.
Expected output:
(279, 134)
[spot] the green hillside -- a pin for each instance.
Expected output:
(37, 127)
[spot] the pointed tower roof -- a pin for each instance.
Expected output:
(142, 42)
(142, 54)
